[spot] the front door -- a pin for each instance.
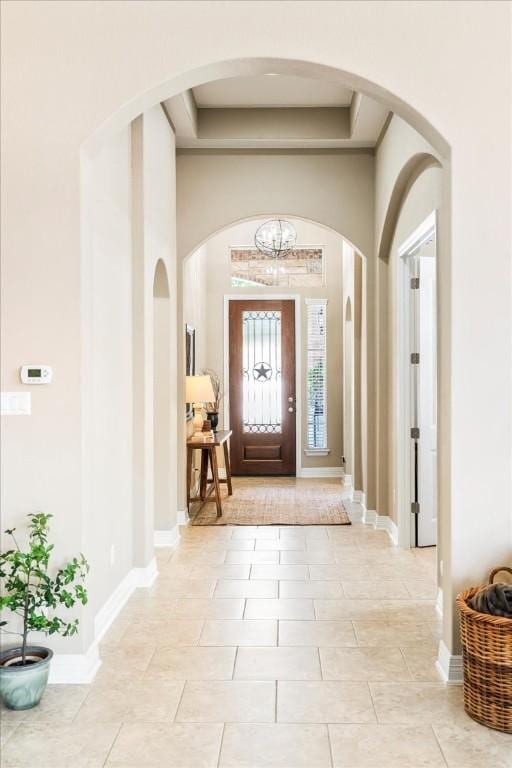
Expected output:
(262, 387)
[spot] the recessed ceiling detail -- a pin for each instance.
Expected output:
(274, 111)
(271, 91)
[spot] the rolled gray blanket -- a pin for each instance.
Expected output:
(496, 599)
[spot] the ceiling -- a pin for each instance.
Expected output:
(271, 91)
(274, 111)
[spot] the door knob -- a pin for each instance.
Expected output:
(290, 409)
(291, 399)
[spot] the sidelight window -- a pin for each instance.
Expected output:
(317, 375)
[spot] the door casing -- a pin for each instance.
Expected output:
(404, 472)
(298, 367)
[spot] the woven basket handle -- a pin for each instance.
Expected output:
(498, 570)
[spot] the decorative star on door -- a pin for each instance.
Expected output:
(262, 372)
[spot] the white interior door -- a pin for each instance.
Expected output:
(425, 396)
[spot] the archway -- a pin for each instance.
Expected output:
(211, 259)
(248, 67)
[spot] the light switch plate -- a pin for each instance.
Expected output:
(16, 403)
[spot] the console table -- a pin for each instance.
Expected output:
(209, 456)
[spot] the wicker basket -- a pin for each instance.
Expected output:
(487, 654)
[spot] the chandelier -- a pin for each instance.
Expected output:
(276, 238)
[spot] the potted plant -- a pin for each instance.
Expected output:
(212, 409)
(31, 594)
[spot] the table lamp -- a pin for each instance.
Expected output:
(198, 391)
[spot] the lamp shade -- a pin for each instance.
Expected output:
(199, 389)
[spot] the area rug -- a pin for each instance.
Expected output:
(285, 501)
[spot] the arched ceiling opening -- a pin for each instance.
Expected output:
(259, 218)
(252, 67)
(408, 175)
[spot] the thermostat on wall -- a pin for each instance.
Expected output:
(35, 374)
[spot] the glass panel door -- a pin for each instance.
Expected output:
(262, 380)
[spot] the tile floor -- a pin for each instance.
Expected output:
(266, 648)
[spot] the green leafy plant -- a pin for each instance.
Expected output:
(28, 590)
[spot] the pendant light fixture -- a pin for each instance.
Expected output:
(275, 238)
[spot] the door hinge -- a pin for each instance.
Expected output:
(415, 358)
(415, 433)
(415, 282)
(415, 507)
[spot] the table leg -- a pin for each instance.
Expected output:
(189, 475)
(204, 473)
(215, 473)
(227, 462)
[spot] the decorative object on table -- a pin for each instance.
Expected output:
(487, 656)
(31, 594)
(190, 362)
(198, 391)
(212, 409)
(275, 237)
(214, 419)
(207, 431)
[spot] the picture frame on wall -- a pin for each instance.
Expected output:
(190, 362)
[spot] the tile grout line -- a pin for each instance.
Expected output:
(234, 663)
(221, 743)
(373, 703)
(330, 743)
(113, 743)
(180, 700)
(322, 678)
(407, 665)
(439, 744)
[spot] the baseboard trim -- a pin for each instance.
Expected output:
(143, 578)
(359, 497)
(137, 577)
(449, 666)
(370, 517)
(182, 517)
(75, 668)
(320, 472)
(80, 668)
(347, 480)
(385, 523)
(167, 538)
(354, 515)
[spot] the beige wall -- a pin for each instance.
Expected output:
(204, 303)
(163, 369)
(348, 367)
(44, 47)
(400, 144)
(217, 188)
(196, 300)
(108, 542)
(153, 239)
